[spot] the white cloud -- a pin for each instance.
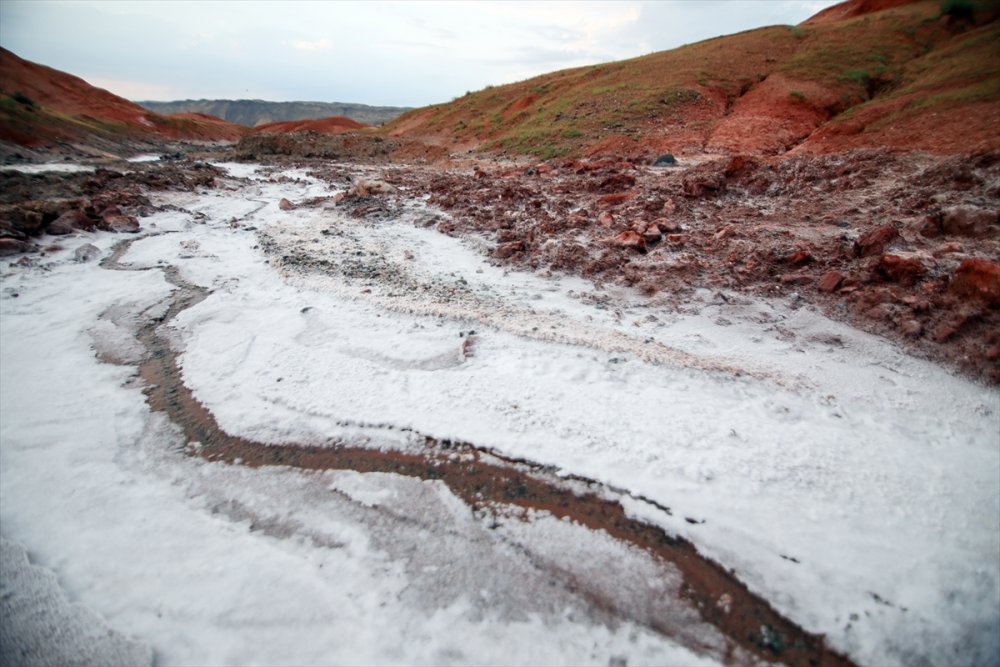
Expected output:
(318, 45)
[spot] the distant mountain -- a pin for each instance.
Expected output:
(259, 112)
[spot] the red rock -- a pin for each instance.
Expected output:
(630, 239)
(993, 353)
(285, 205)
(979, 278)
(505, 250)
(737, 165)
(9, 246)
(75, 219)
(677, 239)
(903, 268)
(652, 234)
(962, 221)
(60, 226)
(116, 221)
(948, 248)
(605, 218)
(874, 242)
(801, 257)
(725, 232)
(607, 201)
(796, 279)
(944, 332)
(667, 226)
(830, 281)
(911, 328)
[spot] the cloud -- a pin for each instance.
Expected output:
(318, 45)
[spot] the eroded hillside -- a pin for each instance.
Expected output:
(923, 75)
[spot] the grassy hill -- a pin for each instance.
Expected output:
(924, 75)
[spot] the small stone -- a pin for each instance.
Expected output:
(796, 279)
(830, 281)
(652, 233)
(87, 253)
(911, 328)
(630, 239)
(285, 205)
(677, 239)
(800, 257)
(665, 160)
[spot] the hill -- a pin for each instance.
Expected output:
(918, 75)
(331, 125)
(41, 106)
(253, 113)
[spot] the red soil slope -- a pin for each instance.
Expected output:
(39, 104)
(329, 125)
(898, 74)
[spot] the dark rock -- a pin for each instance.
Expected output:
(505, 250)
(10, 246)
(665, 160)
(87, 253)
(60, 226)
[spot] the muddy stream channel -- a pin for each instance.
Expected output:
(490, 483)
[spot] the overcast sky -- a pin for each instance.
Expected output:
(382, 53)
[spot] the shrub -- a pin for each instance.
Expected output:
(959, 9)
(21, 98)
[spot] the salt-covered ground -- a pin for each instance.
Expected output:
(856, 488)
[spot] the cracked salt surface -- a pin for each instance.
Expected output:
(853, 486)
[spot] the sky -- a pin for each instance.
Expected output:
(380, 53)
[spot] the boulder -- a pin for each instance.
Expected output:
(11, 246)
(978, 278)
(904, 268)
(962, 221)
(115, 220)
(60, 226)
